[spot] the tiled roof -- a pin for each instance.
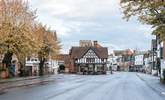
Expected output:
(78, 52)
(64, 57)
(123, 52)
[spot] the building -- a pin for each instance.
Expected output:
(154, 51)
(148, 62)
(139, 60)
(64, 62)
(32, 66)
(162, 59)
(160, 56)
(112, 62)
(125, 59)
(88, 59)
(13, 69)
(85, 43)
(51, 67)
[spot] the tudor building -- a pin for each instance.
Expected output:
(88, 59)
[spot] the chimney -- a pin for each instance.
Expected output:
(95, 43)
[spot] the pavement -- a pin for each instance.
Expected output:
(23, 81)
(17, 79)
(153, 82)
(118, 86)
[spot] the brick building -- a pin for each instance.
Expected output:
(125, 59)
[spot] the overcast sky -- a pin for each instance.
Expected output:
(76, 20)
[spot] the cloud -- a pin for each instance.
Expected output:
(75, 20)
(65, 14)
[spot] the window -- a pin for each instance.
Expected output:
(32, 59)
(90, 60)
(28, 58)
(102, 60)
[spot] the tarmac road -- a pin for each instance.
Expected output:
(119, 86)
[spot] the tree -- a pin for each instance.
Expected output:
(48, 45)
(21, 35)
(16, 34)
(151, 12)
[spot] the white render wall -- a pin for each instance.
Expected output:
(147, 65)
(53, 66)
(139, 60)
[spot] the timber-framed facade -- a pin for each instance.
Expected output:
(89, 60)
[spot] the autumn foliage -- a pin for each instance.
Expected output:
(151, 12)
(22, 35)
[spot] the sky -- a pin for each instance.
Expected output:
(76, 20)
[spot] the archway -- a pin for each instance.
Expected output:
(61, 68)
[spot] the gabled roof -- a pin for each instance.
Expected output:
(64, 57)
(79, 52)
(123, 52)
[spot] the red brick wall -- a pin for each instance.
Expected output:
(72, 67)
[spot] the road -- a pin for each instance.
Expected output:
(119, 86)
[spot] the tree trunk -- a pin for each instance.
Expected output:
(7, 61)
(41, 66)
(22, 69)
